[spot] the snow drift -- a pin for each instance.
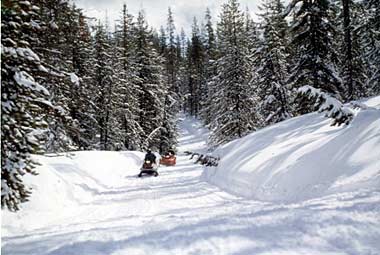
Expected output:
(67, 181)
(303, 158)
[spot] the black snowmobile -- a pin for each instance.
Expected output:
(148, 168)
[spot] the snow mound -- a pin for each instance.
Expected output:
(65, 182)
(303, 158)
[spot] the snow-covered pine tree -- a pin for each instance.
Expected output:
(149, 70)
(57, 37)
(370, 33)
(126, 80)
(179, 65)
(103, 80)
(172, 98)
(168, 138)
(24, 101)
(352, 60)
(162, 41)
(182, 69)
(315, 68)
(255, 48)
(252, 33)
(272, 66)
(171, 56)
(210, 67)
(234, 111)
(83, 101)
(195, 68)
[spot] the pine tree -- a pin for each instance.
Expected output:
(233, 110)
(352, 61)
(272, 66)
(210, 67)
(172, 98)
(83, 94)
(126, 83)
(171, 56)
(162, 40)
(315, 70)
(313, 43)
(182, 69)
(103, 81)
(195, 67)
(371, 43)
(58, 51)
(149, 71)
(24, 101)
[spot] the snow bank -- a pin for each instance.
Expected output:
(303, 158)
(64, 182)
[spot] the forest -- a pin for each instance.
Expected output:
(69, 82)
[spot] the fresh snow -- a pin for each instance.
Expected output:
(303, 158)
(92, 202)
(74, 79)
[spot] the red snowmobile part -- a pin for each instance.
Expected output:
(147, 166)
(168, 160)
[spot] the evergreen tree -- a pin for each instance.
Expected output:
(171, 56)
(126, 81)
(210, 56)
(103, 81)
(182, 69)
(195, 67)
(312, 26)
(370, 33)
(272, 65)
(84, 110)
(149, 71)
(162, 40)
(352, 61)
(58, 50)
(24, 101)
(315, 66)
(234, 109)
(172, 98)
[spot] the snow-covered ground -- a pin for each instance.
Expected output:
(303, 158)
(92, 203)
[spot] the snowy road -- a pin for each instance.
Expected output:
(178, 213)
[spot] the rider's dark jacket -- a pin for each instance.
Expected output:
(150, 156)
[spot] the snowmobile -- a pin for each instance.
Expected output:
(168, 160)
(148, 168)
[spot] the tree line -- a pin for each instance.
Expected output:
(306, 56)
(70, 83)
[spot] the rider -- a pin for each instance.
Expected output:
(170, 153)
(150, 156)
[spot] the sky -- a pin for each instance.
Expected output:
(156, 10)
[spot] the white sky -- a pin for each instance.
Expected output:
(156, 10)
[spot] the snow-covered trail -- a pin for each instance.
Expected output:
(178, 213)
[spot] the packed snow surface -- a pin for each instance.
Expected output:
(303, 158)
(92, 202)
